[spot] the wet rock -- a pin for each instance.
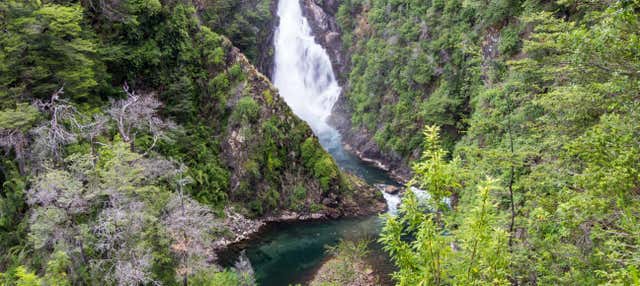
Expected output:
(389, 189)
(321, 18)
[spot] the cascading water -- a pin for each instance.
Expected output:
(304, 76)
(393, 201)
(303, 72)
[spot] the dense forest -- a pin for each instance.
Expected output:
(135, 133)
(534, 107)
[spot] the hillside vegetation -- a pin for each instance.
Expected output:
(537, 146)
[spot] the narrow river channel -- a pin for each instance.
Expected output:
(289, 253)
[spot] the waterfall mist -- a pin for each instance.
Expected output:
(303, 71)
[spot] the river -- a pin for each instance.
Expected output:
(289, 253)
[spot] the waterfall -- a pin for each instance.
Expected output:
(303, 72)
(304, 77)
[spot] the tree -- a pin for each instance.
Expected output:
(190, 226)
(138, 113)
(45, 46)
(53, 134)
(433, 173)
(120, 233)
(429, 247)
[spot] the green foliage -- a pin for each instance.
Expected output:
(246, 110)
(325, 170)
(268, 96)
(413, 63)
(56, 271)
(248, 24)
(299, 192)
(555, 127)
(12, 208)
(22, 118)
(45, 47)
(480, 254)
(102, 206)
(20, 276)
(209, 175)
(433, 173)
(509, 41)
(319, 162)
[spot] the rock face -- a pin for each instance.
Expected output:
(321, 16)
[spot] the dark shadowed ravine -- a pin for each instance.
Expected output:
(290, 253)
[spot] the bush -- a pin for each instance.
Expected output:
(297, 198)
(325, 170)
(299, 192)
(246, 110)
(236, 72)
(309, 152)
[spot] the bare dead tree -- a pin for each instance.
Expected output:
(14, 139)
(138, 113)
(119, 231)
(190, 227)
(155, 169)
(94, 129)
(52, 135)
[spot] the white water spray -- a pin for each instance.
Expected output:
(393, 201)
(303, 71)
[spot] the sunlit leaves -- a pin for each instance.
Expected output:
(427, 245)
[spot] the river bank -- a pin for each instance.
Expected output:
(239, 228)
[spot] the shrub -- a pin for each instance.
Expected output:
(325, 170)
(246, 110)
